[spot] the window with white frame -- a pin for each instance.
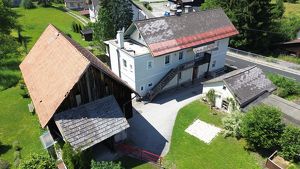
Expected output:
(140, 37)
(150, 84)
(214, 63)
(142, 88)
(149, 64)
(167, 59)
(124, 63)
(180, 55)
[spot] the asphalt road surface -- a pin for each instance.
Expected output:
(240, 63)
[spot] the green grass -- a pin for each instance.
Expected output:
(34, 22)
(188, 152)
(131, 163)
(292, 59)
(17, 124)
(292, 9)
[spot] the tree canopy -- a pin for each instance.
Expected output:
(8, 18)
(253, 18)
(113, 16)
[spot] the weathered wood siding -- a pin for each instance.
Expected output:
(93, 85)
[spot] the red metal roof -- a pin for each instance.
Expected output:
(161, 48)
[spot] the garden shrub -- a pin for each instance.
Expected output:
(211, 97)
(4, 164)
(262, 127)
(290, 144)
(232, 124)
(76, 159)
(28, 4)
(285, 87)
(105, 165)
(38, 161)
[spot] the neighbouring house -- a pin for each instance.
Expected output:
(93, 5)
(75, 95)
(87, 34)
(161, 53)
(291, 47)
(75, 4)
(241, 87)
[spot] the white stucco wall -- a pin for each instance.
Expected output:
(219, 55)
(135, 36)
(298, 34)
(143, 78)
(222, 94)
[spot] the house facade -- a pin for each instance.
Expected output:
(74, 92)
(239, 88)
(156, 54)
(93, 6)
(75, 4)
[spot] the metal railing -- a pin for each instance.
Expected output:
(245, 53)
(140, 154)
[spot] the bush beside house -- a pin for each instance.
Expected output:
(262, 127)
(290, 144)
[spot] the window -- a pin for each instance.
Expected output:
(124, 63)
(224, 87)
(167, 59)
(150, 84)
(149, 64)
(130, 68)
(179, 75)
(214, 63)
(142, 88)
(180, 55)
(140, 37)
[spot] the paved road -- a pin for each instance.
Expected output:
(240, 63)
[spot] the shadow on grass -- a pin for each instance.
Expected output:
(4, 148)
(129, 162)
(9, 79)
(265, 153)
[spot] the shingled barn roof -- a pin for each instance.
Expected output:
(51, 69)
(168, 34)
(246, 84)
(91, 123)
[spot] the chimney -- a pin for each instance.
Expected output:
(120, 38)
(188, 8)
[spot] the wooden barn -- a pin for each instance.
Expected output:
(75, 95)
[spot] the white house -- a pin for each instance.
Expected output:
(243, 86)
(138, 14)
(160, 53)
(75, 4)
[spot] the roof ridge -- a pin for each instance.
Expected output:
(241, 71)
(69, 40)
(172, 16)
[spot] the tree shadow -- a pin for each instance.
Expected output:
(4, 148)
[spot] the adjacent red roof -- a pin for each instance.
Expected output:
(164, 35)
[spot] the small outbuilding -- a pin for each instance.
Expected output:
(291, 47)
(239, 87)
(87, 34)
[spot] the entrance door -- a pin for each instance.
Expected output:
(195, 73)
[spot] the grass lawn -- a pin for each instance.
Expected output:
(34, 21)
(17, 124)
(292, 9)
(188, 152)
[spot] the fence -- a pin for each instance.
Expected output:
(140, 154)
(245, 53)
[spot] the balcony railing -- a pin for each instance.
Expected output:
(172, 73)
